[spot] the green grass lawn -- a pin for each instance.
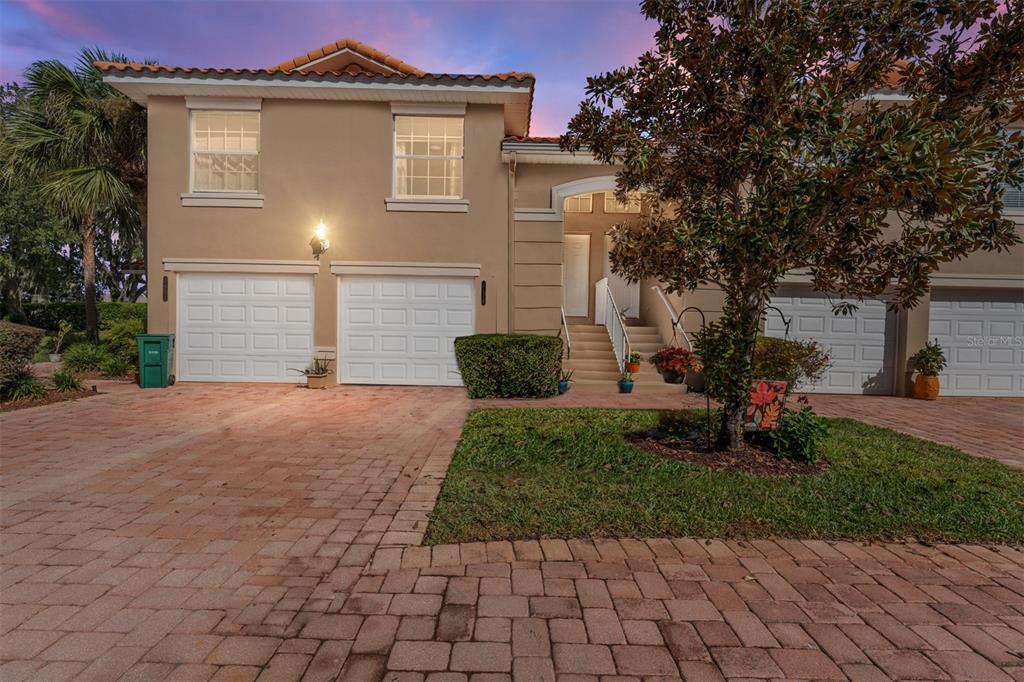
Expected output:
(523, 473)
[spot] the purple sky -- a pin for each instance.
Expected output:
(561, 42)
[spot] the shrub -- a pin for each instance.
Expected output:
(798, 437)
(85, 357)
(797, 362)
(64, 380)
(120, 340)
(18, 344)
(26, 387)
(930, 360)
(509, 366)
(117, 367)
(48, 315)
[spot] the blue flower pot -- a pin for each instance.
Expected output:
(625, 387)
(563, 386)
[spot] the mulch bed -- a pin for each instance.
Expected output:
(748, 459)
(51, 398)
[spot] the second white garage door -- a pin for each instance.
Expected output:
(861, 346)
(244, 327)
(982, 334)
(401, 329)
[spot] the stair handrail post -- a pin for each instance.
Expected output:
(677, 318)
(616, 329)
(566, 338)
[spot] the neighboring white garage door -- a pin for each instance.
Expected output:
(982, 334)
(861, 346)
(402, 329)
(244, 327)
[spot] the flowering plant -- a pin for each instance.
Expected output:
(676, 360)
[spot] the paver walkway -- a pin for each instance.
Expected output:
(243, 532)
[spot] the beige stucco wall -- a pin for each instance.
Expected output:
(329, 161)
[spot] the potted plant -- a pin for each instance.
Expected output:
(316, 373)
(625, 382)
(633, 363)
(674, 363)
(62, 331)
(928, 363)
(564, 379)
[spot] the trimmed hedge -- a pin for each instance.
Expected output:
(509, 366)
(48, 315)
(18, 345)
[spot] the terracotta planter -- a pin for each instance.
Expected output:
(632, 367)
(315, 381)
(926, 387)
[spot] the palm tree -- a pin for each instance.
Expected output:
(85, 144)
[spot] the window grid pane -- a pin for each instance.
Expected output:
(225, 151)
(581, 203)
(428, 156)
(613, 205)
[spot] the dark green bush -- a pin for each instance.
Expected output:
(798, 437)
(120, 340)
(798, 362)
(64, 380)
(48, 315)
(85, 357)
(18, 344)
(26, 387)
(509, 366)
(116, 367)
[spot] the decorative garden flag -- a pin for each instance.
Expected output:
(767, 398)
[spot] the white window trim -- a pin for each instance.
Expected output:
(223, 198)
(426, 203)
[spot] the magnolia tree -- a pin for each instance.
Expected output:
(863, 142)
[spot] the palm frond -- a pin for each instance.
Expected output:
(83, 190)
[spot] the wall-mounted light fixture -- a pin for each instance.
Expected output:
(319, 243)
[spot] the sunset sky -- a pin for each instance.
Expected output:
(561, 42)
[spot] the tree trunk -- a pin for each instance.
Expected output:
(141, 206)
(89, 275)
(745, 320)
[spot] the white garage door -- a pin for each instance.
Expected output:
(982, 334)
(244, 327)
(402, 330)
(861, 346)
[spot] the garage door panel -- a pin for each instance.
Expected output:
(860, 346)
(981, 332)
(401, 330)
(236, 327)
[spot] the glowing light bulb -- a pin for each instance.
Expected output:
(321, 231)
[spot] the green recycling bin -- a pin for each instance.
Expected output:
(155, 360)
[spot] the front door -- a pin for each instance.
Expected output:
(576, 275)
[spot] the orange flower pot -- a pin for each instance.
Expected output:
(926, 387)
(632, 367)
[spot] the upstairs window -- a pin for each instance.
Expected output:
(613, 205)
(1013, 199)
(225, 151)
(581, 203)
(428, 157)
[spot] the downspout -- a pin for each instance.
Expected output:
(511, 241)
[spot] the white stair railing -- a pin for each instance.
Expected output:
(568, 341)
(611, 318)
(677, 323)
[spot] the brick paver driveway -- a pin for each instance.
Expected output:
(243, 532)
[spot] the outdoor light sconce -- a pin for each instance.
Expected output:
(320, 243)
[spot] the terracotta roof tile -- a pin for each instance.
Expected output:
(357, 47)
(534, 139)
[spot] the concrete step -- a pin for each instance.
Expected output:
(603, 364)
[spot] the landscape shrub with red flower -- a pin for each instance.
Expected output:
(676, 360)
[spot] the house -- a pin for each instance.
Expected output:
(347, 203)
